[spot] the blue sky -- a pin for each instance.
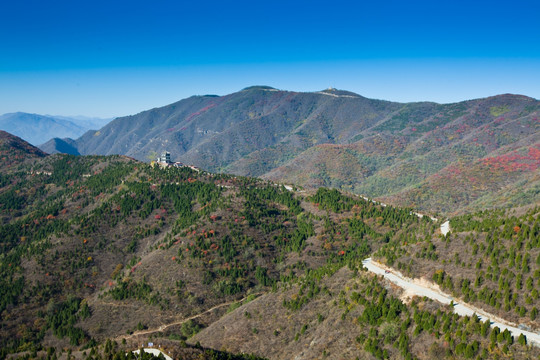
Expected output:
(113, 58)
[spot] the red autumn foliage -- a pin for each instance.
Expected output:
(515, 161)
(204, 109)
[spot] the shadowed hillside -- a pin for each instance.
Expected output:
(62, 146)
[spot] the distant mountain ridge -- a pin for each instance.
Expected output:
(88, 122)
(405, 153)
(38, 129)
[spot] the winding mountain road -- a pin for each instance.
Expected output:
(416, 287)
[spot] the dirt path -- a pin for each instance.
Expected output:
(179, 322)
(103, 303)
(425, 288)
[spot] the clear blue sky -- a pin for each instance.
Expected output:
(113, 58)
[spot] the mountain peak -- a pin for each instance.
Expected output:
(63, 146)
(259, 87)
(336, 92)
(509, 96)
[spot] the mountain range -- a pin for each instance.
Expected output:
(38, 129)
(443, 158)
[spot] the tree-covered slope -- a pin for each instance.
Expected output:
(490, 259)
(98, 248)
(445, 158)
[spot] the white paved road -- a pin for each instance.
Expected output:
(155, 352)
(445, 227)
(414, 287)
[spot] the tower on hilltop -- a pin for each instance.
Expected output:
(165, 158)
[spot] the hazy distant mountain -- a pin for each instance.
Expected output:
(90, 123)
(438, 157)
(37, 129)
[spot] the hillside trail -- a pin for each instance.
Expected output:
(104, 303)
(179, 322)
(423, 287)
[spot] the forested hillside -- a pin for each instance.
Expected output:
(100, 254)
(490, 259)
